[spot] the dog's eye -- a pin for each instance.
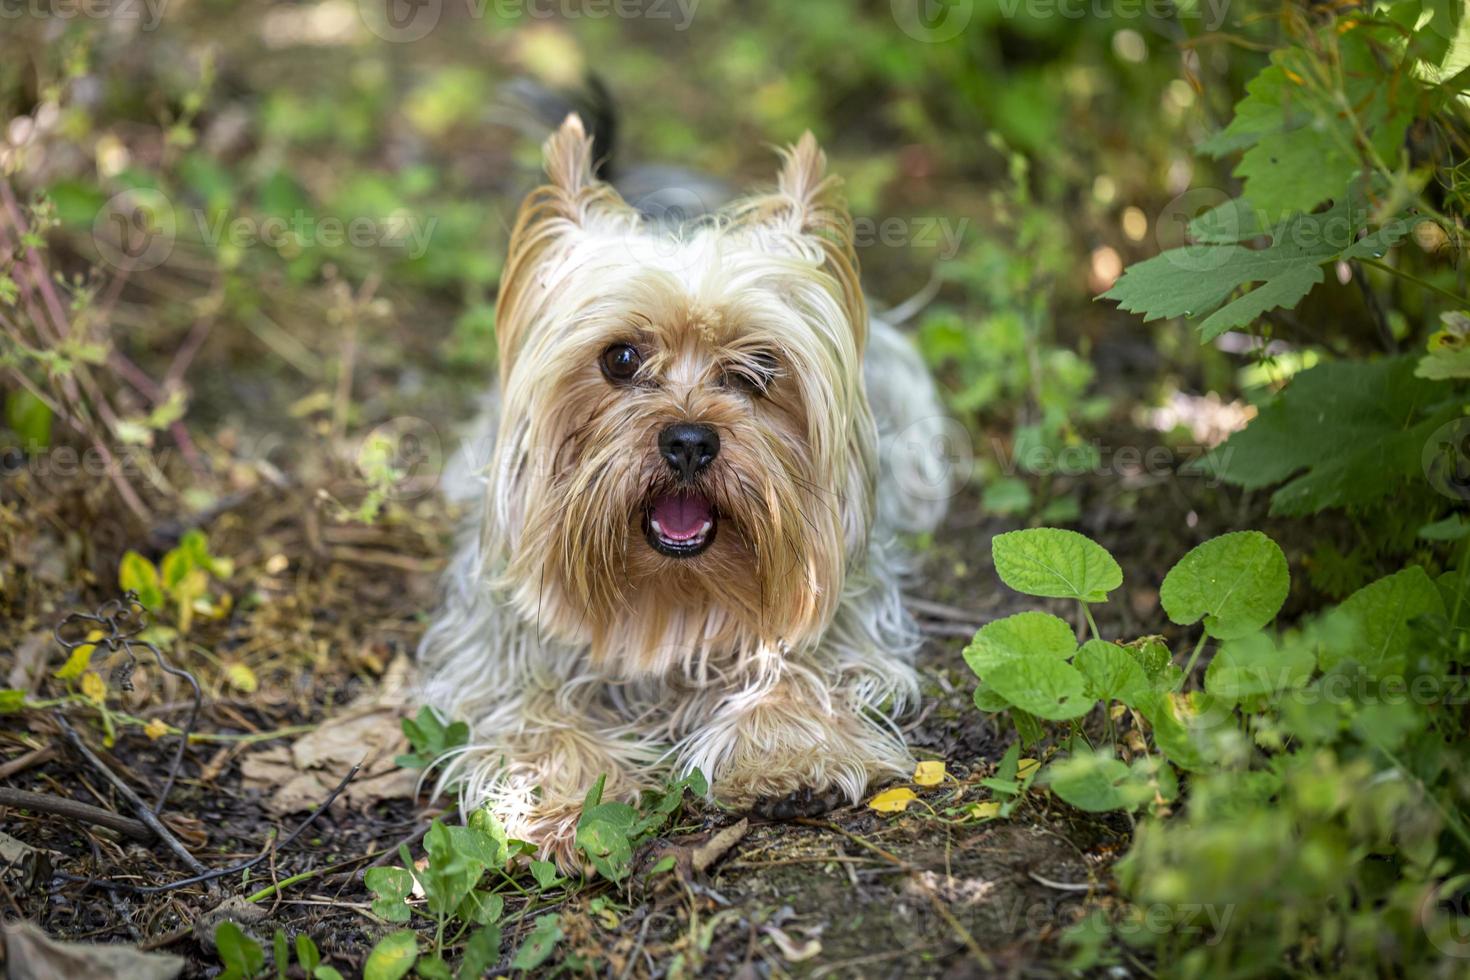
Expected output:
(620, 362)
(753, 374)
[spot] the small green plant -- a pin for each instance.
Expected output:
(244, 959)
(1267, 751)
(430, 738)
(180, 582)
(468, 871)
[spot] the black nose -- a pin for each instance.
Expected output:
(688, 448)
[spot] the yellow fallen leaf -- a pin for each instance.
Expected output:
(893, 800)
(93, 687)
(929, 773)
(1025, 767)
(985, 811)
(242, 678)
(155, 729)
(80, 658)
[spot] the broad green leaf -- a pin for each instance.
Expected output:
(1026, 634)
(1111, 672)
(1151, 653)
(1170, 716)
(1097, 783)
(137, 574)
(1198, 281)
(1236, 582)
(988, 701)
(11, 700)
(307, 954)
(1252, 666)
(390, 886)
(1342, 433)
(1382, 611)
(1043, 686)
(482, 908)
(540, 944)
(393, 957)
(545, 874)
(1055, 563)
(241, 955)
(481, 952)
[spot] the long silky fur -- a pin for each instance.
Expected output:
(788, 653)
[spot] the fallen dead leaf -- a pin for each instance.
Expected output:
(930, 772)
(894, 800)
(298, 777)
(1025, 767)
(30, 954)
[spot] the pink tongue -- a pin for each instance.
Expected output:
(681, 516)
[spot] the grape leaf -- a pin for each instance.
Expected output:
(1341, 433)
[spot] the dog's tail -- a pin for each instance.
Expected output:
(663, 192)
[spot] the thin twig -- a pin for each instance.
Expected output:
(145, 813)
(30, 760)
(87, 813)
(232, 869)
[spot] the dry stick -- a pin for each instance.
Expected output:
(85, 812)
(145, 812)
(209, 876)
(30, 760)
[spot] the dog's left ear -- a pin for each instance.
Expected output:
(571, 200)
(807, 209)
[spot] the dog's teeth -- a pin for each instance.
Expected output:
(656, 528)
(705, 529)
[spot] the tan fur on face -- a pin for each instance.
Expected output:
(776, 277)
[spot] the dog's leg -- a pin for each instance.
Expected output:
(810, 731)
(542, 729)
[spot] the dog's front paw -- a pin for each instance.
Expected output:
(805, 802)
(786, 758)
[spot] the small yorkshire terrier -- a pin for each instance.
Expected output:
(685, 493)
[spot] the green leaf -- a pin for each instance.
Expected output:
(1199, 280)
(1098, 783)
(393, 957)
(391, 886)
(137, 574)
(545, 874)
(1151, 653)
(989, 701)
(1382, 611)
(1055, 563)
(242, 956)
(1237, 582)
(281, 953)
(539, 944)
(1008, 495)
(481, 908)
(1341, 434)
(604, 835)
(1042, 686)
(1017, 637)
(1452, 528)
(29, 418)
(1111, 672)
(1252, 666)
(481, 952)
(11, 701)
(1172, 730)
(307, 954)
(1444, 365)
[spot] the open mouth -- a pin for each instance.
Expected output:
(680, 525)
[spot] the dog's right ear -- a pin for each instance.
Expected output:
(572, 201)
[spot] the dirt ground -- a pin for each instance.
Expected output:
(321, 612)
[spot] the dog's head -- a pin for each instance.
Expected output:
(685, 453)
